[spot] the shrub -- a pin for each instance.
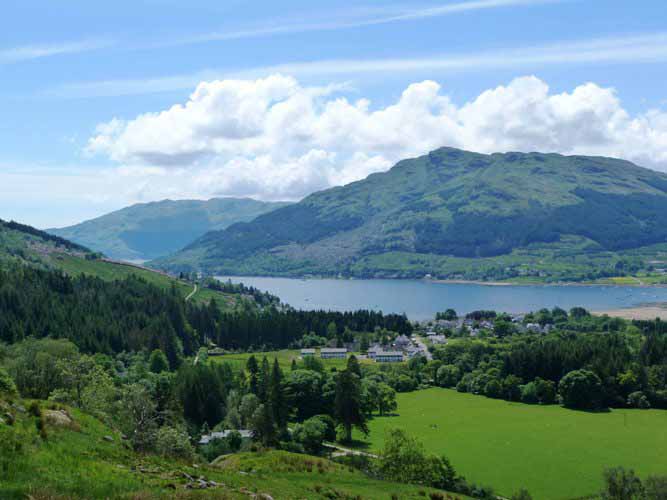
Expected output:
(637, 399)
(581, 389)
(34, 409)
(621, 484)
(7, 385)
(522, 494)
(171, 442)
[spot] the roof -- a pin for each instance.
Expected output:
(332, 350)
(308, 351)
(245, 433)
(390, 353)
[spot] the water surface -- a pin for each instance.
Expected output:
(421, 299)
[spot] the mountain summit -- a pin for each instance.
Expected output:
(452, 213)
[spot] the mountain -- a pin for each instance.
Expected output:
(456, 214)
(149, 230)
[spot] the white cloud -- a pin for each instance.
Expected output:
(273, 138)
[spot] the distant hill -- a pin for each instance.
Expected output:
(149, 230)
(456, 214)
(22, 245)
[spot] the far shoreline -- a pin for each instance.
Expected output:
(452, 281)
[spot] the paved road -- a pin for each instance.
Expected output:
(422, 346)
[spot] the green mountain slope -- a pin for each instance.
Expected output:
(454, 214)
(24, 245)
(150, 230)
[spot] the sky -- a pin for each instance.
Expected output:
(106, 104)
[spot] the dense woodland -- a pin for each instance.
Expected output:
(586, 362)
(133, 315)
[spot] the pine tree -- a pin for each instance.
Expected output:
(253, 372)
(277, 397)
(264, 380)
(348, 404)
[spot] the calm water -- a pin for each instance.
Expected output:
(422, 299)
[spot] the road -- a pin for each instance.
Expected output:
(424, 349)
(192, 293)
(346, 451)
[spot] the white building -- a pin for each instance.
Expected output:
(389, 357)
(245, 434)
(307, 352)
(333, 353)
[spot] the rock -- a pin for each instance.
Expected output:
(187, 476)
(108, 438)
(57, 418)
(265, 496)
(202, 484)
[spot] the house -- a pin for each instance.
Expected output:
(389, 357)
(413, 351)
(333, 353)
(245, 434)
(372, 351)
(307, 353)
(438, 339)
(402, 342)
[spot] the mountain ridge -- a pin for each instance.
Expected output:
(446, 207)
(148, 230)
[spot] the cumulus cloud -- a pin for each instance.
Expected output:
(274, 138)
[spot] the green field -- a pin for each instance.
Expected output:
(284, 357)
(553, 452)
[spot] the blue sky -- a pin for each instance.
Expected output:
(69, 68)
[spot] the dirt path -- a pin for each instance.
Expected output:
(192, 293)
(346, 451)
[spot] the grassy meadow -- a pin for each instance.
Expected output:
(285, 357)
(553, 452)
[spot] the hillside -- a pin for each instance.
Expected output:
(24, 245)
(456, 214)
(100, 464)
(149, 230)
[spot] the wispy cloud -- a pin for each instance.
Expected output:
(630, 49)
(389, 15)
(28, 52)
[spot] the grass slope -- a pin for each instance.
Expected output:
(451, 214)
(79, 462)
(150, 230)
(553, 452)
(27, 246)
(284, 357)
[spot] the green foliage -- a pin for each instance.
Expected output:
(158, 362)
(311, 435)
(7, 385)
(172, 442)
(348, 409)
(581, 389)
(403, 459)
(622, 484)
